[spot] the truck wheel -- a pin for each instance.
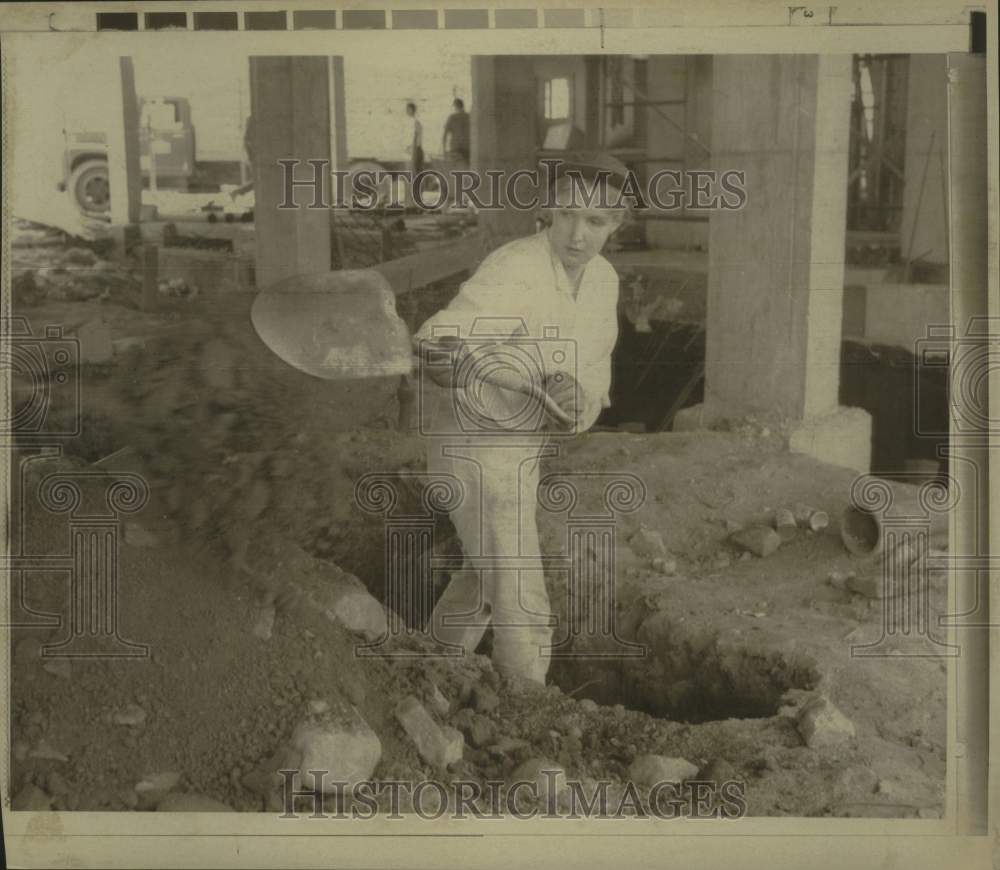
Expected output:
(90, 187)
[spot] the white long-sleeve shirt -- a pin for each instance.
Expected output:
(523, 289)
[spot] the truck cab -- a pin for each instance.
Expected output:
(166, 145)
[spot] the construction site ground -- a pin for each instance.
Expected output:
(237, 448)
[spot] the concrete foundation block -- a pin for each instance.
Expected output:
(842, 438)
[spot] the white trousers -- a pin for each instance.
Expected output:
(501, 583)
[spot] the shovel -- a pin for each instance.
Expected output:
(343, 325)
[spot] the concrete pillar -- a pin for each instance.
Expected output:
(776, 267)
(924, 225)
(503, 134)
(290, 98)
(124, 174)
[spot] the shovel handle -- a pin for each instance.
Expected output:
(520, 385)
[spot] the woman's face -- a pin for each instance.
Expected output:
(578, 232)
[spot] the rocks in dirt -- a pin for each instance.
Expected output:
(484, 699)
(648, 543)
(872, 585)
(665, 565)
(129, 799)
(192, 803)
(45, 752)
(322, 587)
(651, 769)
(856, 781)
(718, 770)
(721, 560)
(810, 518)
(839, 579)
(759, 540)
(438, 702)
(356, 609)
(131, 714)
(154, 787)
(785, 525)
(822, 725)
(266, 776)
(438, 746)
(263, 626)
(506, 746)
(338, 742)
(32, 799)
(588, 705)
(548, 778)
(478, 729)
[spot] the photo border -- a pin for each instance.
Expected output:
(116, 839)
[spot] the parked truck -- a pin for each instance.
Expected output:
(166, 144)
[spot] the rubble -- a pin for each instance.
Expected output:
(438, 746)
(263, 626)
(822, 725)
(479, 729)
(46, 752)
(666, 565)
(545, 775)
(338, 742)
(484, 699)
(810, 518)
(648, 543)
(759, 540)
(785, 525)
(651, 769)
(438, 701)
(265, 778)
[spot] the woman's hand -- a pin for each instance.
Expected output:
(563, 390)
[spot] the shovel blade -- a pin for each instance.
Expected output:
(335, 325)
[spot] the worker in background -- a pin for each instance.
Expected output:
(414, 139)
(455, 139)
(553, 297)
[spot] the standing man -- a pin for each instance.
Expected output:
(455, 139)
(539, 315)
(414, 139)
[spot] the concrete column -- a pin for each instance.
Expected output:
(776, 267)
(124, 174)
(503, 134)
(924, 226)
(290, 97)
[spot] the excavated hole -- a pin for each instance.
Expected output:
(688, 674)
(690, 678)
